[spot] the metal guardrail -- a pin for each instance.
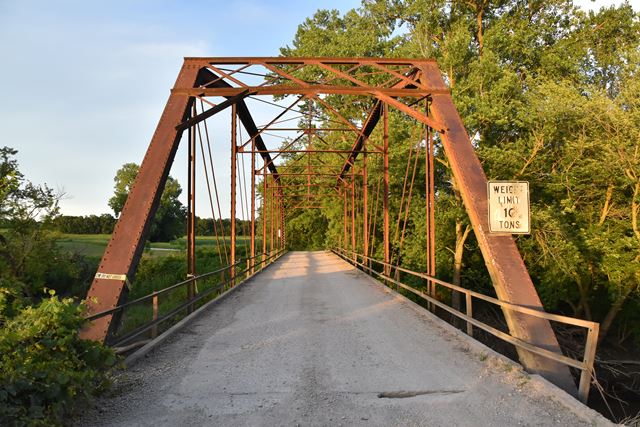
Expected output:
(250, 270)
(585, 365)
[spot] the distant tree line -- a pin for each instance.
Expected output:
(205, 227)
(90, 224)
(105, 223)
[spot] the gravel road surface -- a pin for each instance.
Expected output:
(313, 341)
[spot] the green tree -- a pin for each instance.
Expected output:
(29, 257)
(10, 179)
(309, 229)
(169, 221)
(90, 224)
(586, 238)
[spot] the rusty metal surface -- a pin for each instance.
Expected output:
(253, 207)
(365, 201)
(259, 60)
(243, 114)
(191, 211)
(212, 111)
(369, 126)
(385, 188)
(264, 213)
(234, 167)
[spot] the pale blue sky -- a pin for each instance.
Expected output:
(83, 83)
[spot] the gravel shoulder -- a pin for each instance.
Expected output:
(313, 341)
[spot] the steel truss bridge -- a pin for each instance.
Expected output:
(305, 151)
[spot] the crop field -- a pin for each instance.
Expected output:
(93, 245)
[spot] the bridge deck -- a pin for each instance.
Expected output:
(312, 341)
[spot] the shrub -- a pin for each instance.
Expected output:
(46, 371)
(10, 301)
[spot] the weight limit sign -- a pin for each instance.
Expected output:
(508, 207)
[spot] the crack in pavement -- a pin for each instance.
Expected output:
(407, 394)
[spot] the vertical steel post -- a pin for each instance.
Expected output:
(344, 217)
(282, 223)
(353, 212)
(280, 204)
(469, 307)
(272, 205)
(253, 204)
(234, 150)
(309, 141)
(365, 208)
(191, 212)
(154, 308)
(276, 218)
(365, 205)
(432, 205)
(264, 214)
(385, 187)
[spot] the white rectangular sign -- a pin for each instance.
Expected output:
(508, 207)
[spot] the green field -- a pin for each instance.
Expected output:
(93, 245)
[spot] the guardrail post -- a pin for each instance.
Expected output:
(588, 360)
(154, 303)
(190, 291)
(469, 308)
(344, 215)
(396, 276)
(353, 212)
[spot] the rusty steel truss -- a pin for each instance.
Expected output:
(411, 86)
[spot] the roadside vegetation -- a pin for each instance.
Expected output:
(46, 371)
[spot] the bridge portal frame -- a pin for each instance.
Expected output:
(406, 79)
